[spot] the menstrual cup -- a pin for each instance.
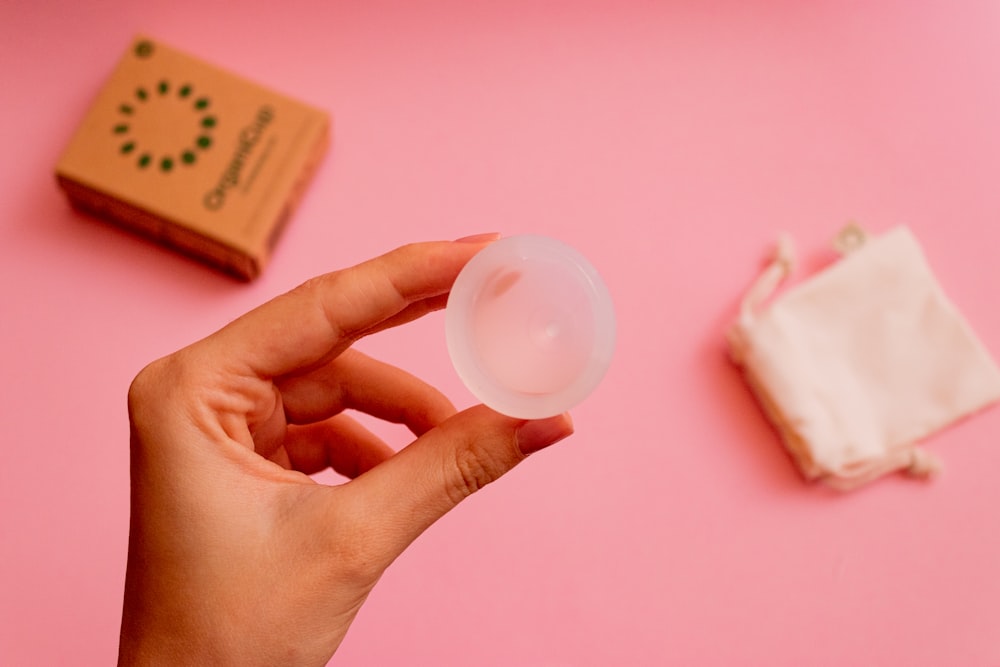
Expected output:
(530, 326)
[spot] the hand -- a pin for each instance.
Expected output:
(237, 556)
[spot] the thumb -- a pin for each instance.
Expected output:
(404, 495)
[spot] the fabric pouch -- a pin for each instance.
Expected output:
(857, 364)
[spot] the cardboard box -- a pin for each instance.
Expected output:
(197, 158)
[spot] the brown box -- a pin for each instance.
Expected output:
(195, 157)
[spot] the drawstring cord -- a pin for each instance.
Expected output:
(780, 267)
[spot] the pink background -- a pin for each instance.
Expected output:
(670, 142)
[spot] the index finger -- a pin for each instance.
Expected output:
(323, 316)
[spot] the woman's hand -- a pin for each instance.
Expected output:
(237, 556)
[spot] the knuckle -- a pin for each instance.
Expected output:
(315, 284)
(473, 467)
(144, 399)
(157, 386)
(146, 384)
(316, 290)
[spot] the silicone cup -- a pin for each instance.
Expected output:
(530, 326)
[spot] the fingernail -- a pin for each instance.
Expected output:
(539, 434)
(478, 238)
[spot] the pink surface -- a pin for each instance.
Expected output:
(670, 143)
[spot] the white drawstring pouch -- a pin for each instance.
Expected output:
(857, 364)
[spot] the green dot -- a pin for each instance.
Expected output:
(144, 49)
(201, 103)
(144, 160)
(128, 147)
(204, 142)
(125, 109)
(208, 121)
(121, 129)
(184, 91)
(166, 164)
(141, 94)
(188, 157)
(164, 87)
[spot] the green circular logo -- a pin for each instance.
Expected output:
(164, 110)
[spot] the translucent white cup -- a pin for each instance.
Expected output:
(530, 326)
